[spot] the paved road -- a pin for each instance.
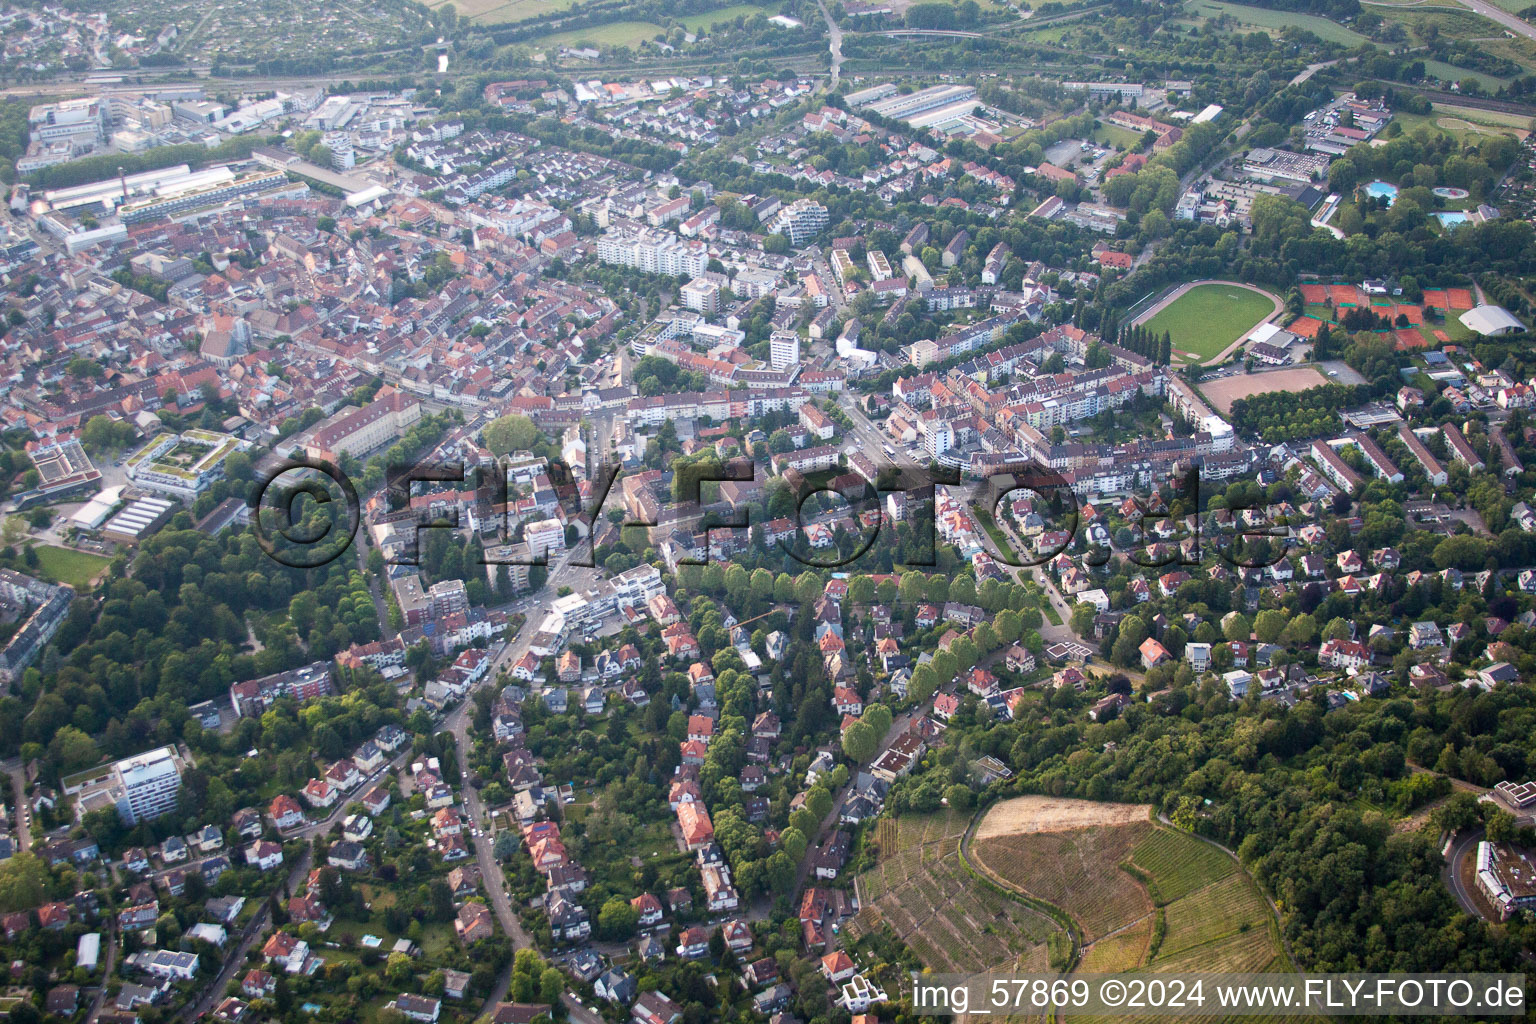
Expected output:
(23, 828)
(235, 962)
(1049, 632)
(1451, 873)
(834, 43)
(899, 726)
(1312, 69)
(1500, 16)
(108, 965)
(457, 723)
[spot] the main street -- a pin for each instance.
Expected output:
(483, 832)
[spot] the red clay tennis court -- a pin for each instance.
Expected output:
(1305, 327)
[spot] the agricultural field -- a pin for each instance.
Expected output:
(617, 33)
(1178, 866)
(1060, 867)
(1125, 950)
(1207, 318)
(1143, 896)
(503, 12)
(1027, 814)
(708, 19)
(922, 892)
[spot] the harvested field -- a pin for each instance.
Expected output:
(1027, 814)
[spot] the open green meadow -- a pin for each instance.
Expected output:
(65, 565)
(1263, 19)
(618, 33)
(708, 19)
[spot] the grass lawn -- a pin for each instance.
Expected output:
(65, 565)
(1271, 21)
(984, 517)
(1209, 317)
(435, 939)
(1495, 118)
(1114, 135)
(1466, 124)
(1452, 73)
(694, 22)
(618, 33)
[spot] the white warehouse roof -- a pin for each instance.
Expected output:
(1491, 320)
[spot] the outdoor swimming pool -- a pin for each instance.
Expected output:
(1452, 218)
(1378, 189)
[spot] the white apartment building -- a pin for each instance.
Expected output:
(800, 221)
(544, 537)
(879, 266)
(653, 252)
(783, 349)
(151, 784)
(638, 585)
(139, 788)
(701, 295)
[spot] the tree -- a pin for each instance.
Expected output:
(1300, 631)
(1460, 811)
(860, 741)
(617, 920)
(878, 718)
(1083, 615)
(72, 749)
(793, 842)
(1269, 624)
(398, 970)
(1343, 176)
(508, 434)
(23, 882)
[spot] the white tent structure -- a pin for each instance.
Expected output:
(1491, 321)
